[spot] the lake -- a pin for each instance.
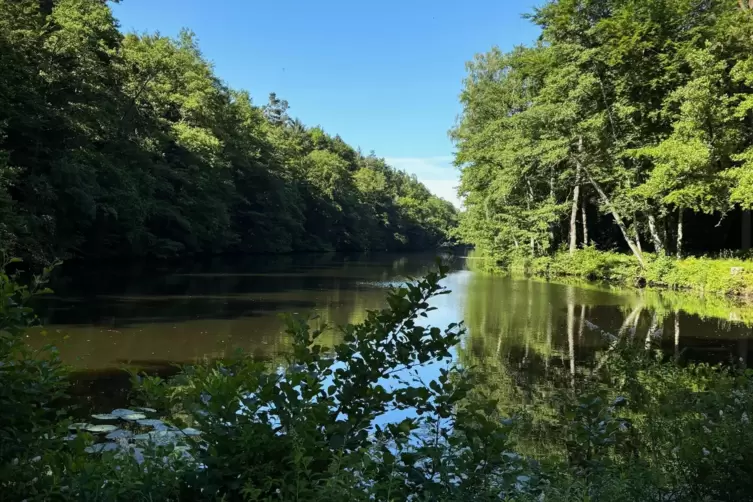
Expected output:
(154, 317)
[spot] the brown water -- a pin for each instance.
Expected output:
(105, 319)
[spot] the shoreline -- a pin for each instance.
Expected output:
(731, 278)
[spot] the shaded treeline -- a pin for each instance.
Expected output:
(130, 145)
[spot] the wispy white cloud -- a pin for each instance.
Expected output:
(447, 189)
(437, 173)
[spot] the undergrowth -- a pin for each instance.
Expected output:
(722, 275)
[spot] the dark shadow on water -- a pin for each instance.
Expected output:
(527, 334)
(127, 312)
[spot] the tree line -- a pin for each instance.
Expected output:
(130, 145)
(627, 124)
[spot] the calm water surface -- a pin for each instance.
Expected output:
(152, 318)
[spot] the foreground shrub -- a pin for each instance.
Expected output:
(354, 423)
(32, 387)
(643, 427)
(383, 415)
(690, 424)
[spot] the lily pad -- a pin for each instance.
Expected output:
(120, 412)
(142, 437)
(150, 422)
(133, 417)
(101, 428)
(101, 447)
(138, 454)
(119, 434)
(190, 431)
(105, 416)
(148, 410)
(80, 426)
(162, 438)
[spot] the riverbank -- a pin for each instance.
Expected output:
(706, 275)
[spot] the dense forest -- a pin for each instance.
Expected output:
(130, 145)
(628, 124)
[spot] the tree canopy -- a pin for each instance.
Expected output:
(625, 115)
(130, 145)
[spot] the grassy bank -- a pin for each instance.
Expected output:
(723, 276)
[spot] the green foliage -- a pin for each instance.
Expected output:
(727, 276)
(354, 423)
(636, 425)
(130, 145)
(624, 114)
(674, 432)
(720, 276)
(359, 422)
(590, 264)
(33, 386)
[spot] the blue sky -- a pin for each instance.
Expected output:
(384, 74)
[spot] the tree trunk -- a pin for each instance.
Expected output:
(679, 233)
(551, 198)
(574, 211)
(637, 234)
(585, 221)
(528, 204)
(658, 246)
(745, 230)
(617, 218)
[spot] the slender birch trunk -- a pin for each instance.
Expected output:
(574, 212)
(584, 216)
(617, 218)
(551, 198)
(679, 233)
(528, 204)
(576, 195)
(658, 246)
